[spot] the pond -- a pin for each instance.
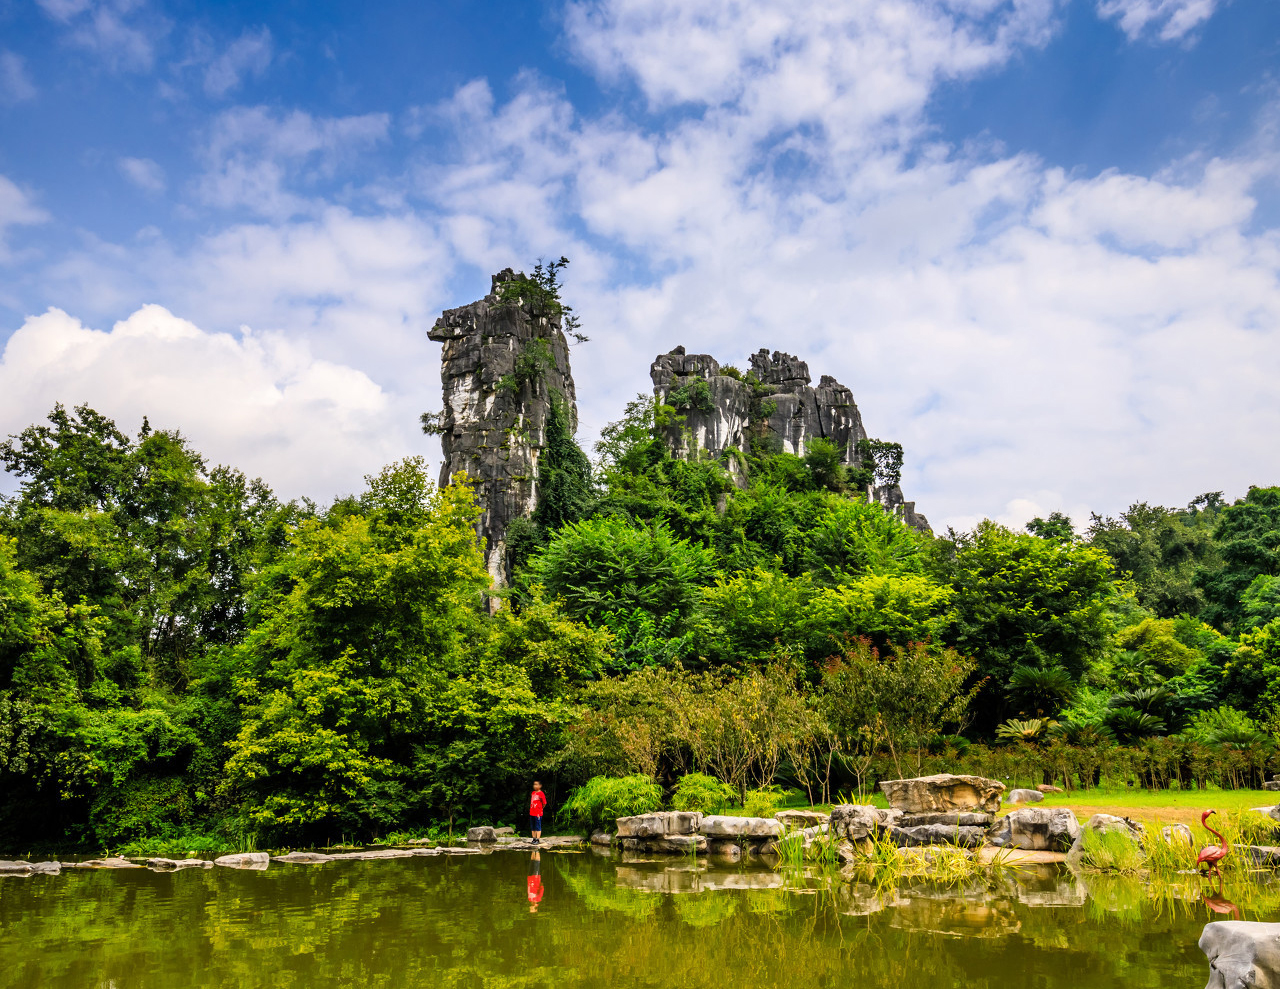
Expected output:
(597, 921)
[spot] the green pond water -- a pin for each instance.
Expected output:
(598, 921)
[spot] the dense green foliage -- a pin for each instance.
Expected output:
(183, 654)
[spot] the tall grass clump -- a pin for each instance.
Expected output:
(697, 791)
(763, 802)
(602, 799)
(1113, 851)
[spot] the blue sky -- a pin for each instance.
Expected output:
(1038, 238)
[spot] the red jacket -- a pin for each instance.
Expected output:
(537, 801)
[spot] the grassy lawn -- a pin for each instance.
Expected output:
(1165, 806)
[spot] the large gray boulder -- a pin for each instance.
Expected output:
(245, 860)
(944, 793)
(719, 826)
(967, 820)
(659, 824)
(1242, 954)
(482, 833)
(1024, 797)
(1037, 829)
(1177, 834)
(939, 834)
(854, 821)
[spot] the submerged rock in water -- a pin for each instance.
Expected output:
(303, 858)
(20, 868)
(174, 865)
(244, 860)
(1052, 829)
(943, 793)
(1242, 954)
(112, 862)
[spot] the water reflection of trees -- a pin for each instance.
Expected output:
(435, 922)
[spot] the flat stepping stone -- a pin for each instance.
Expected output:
(21, 868)
(114, 862)
(177, 865)
(1020, 856)
(303, 858)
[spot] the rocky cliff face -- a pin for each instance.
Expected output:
(780, 410)
(505, 360)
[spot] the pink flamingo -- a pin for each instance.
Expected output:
(1211, 855)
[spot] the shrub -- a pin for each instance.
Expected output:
(602, 799)
(697, 791)
(762, 802)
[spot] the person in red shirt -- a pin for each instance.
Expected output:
(537, 803)
(535, 881)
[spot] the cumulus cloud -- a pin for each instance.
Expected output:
(248, 55)
(259, 402)
(119, 32)
(15, 85)
(146, 174)
(1167, 20)
(1038, 340)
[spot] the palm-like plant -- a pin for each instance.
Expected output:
(1129, 723)
(1031, 730)
(1042, 688)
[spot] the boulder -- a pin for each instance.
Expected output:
(659, 824)
(1109, 822)
(793, 819)
(502, 832)
(602, 838)
(1271, 785)
(484, 833)
(1024, 797)
(1052, 829)
(855, 821)
(1177, 834)
(20, 868)
(303, 858)
(725, 848)
(1242, 954)
(953, 820)
(1268, 855)
(1048, 788)
(426, 851)
(245, 860)
(939, 834)
(719, 826)
(679, 844)
(112, 862)
(174, 865)
(943, 793)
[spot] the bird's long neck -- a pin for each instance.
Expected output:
(1216, 834)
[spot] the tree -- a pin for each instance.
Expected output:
(1024, 601)
(1247, 535)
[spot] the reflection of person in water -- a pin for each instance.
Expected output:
(535, 881)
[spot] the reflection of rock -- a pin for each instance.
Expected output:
(483, 833)
(1242, 953)
(1177, 834)
(1046, 886)
(672, 879)
(1037, 828)
(977, 916)
(1024, 797)
(743, 880)
(794, 819)
(860, 899)
(943, 793)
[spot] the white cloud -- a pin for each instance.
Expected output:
(254, 155)
(146, 174)
(248, 55)
(259, 402)
(1168, 20)
(120, 32)
(15, 85)
(16, 208)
